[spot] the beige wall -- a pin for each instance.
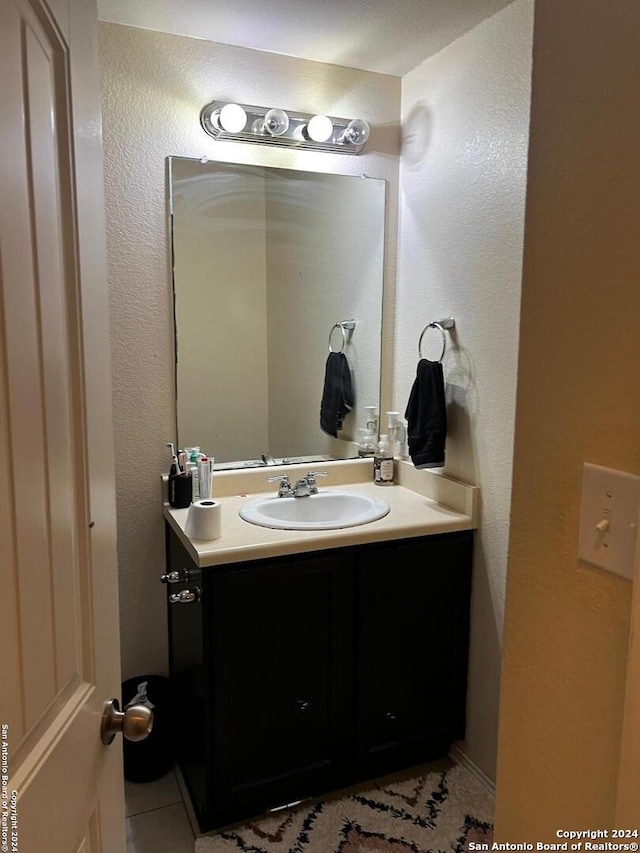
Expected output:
(578, 400)
(337, 243)
(221, 287)
(462, 176)
(154, 86)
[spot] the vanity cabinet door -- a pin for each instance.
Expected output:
(280, 680)
(412, 641)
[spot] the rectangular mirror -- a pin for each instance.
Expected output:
(265, 262)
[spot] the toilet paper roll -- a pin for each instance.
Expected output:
(204, 520)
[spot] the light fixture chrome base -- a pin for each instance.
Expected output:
(294, 136)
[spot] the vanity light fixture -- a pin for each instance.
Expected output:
(357, 132)
(319, 128)
(230, 118)
(243, 123)
(276, 123)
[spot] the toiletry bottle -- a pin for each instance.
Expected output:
(195, 481)
(396, 433)
(372, 419)
(367, 445)
(383, 464)
(402, 447)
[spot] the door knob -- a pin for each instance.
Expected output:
(135, 722)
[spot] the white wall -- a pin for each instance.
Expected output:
(154, 86)
(462, 189)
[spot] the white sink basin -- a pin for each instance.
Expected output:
(325, 511)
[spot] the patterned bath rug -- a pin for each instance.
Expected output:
(437, 811)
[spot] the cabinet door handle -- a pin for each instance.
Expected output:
(177, 576)
(186, 596)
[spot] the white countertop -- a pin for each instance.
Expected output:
(412, 513)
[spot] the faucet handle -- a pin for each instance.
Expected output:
(283, 478)
(284, 489)
(311, 480)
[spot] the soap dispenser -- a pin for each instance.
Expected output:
(367, 445)
(383, 464)
(397, 434)
(372, 419)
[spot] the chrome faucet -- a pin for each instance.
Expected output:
(307, 485)
(303, 488)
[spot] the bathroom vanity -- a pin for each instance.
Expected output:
(312, 661)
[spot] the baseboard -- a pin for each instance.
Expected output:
(460, 757)
(186, 799)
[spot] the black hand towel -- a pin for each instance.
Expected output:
(337, 396)
(427, 416)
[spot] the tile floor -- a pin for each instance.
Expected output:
(156, 818)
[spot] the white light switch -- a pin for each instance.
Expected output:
(609, 518)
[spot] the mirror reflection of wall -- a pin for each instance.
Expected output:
(265, 262)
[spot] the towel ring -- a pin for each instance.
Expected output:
(439, 327)
(343, 326)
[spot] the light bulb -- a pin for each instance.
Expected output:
(356, 132)
(319, 128)
(276, 122)
(232, 118)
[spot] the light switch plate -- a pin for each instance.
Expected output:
(609, 518)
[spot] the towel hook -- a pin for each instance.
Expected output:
(344, 326)
(449, 324)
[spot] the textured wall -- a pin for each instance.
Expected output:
(566, 628)
(462, 190)
(154, 86)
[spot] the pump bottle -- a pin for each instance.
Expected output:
(367, 445)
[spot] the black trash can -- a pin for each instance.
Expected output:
(152, 758)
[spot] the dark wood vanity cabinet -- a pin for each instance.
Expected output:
(297, 675)
(280, 646)
(411, 631)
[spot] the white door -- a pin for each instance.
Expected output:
(59, 655)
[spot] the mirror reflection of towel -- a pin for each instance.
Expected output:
(427, 416)
(337, 396)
